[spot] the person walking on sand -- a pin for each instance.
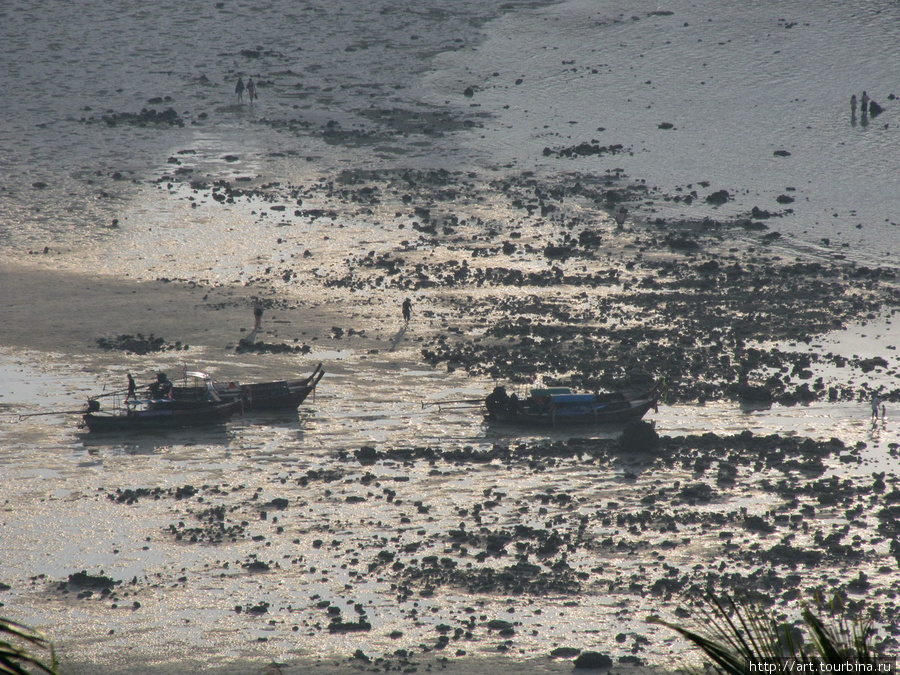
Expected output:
(876, 405)
(257, 314)
(864, 104)
(251, 89)
(407, 310)
(239, 89)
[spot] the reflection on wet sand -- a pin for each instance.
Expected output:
(375, 525)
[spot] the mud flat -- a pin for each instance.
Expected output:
(436, 545)
(512, 276)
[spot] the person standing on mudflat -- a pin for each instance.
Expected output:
(239, 89)
(407, 310)
(257, 315)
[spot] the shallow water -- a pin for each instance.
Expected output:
(738, 82)
(187, 592)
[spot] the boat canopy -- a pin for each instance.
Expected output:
(573, 399)
(551, 391)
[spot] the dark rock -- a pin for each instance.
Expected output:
(639, 436)
(145, 117)
(758, 524)
(718, 198)
(868, 365)
(367, 455)
(698, 492)
(585, 149)
(783, 554)
(338, 626)
(752, 394)
(245, 346)
(588, 660)
(138, 344)
(500, 625)
(860, 584)
(681, 242)
(726, 475)
(185, 492)
(84, 580)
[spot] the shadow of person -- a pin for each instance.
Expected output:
(398, 337)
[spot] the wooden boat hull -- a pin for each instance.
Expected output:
(573, 410)
(160, 419)
(271, 395)
(276, 395)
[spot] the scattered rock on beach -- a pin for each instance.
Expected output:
(147, 116)
(260, 347)
(592, 660)
(138, 344)
(84, 580)
(718, 198)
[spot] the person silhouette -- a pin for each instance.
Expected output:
(251, 89)
(257, 314)
(407, 310)
(239, 89)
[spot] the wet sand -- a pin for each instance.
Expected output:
(436, 529)
(436, 664)
(481, 185)
(60, 310)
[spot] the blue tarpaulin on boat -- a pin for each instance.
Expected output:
(551, 391)
(573, 399)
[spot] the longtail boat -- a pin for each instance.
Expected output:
(143, 416)
(561, 406)
(255, 395)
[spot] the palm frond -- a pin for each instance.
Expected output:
(739, 632)
(15, 660)
(726, 659)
